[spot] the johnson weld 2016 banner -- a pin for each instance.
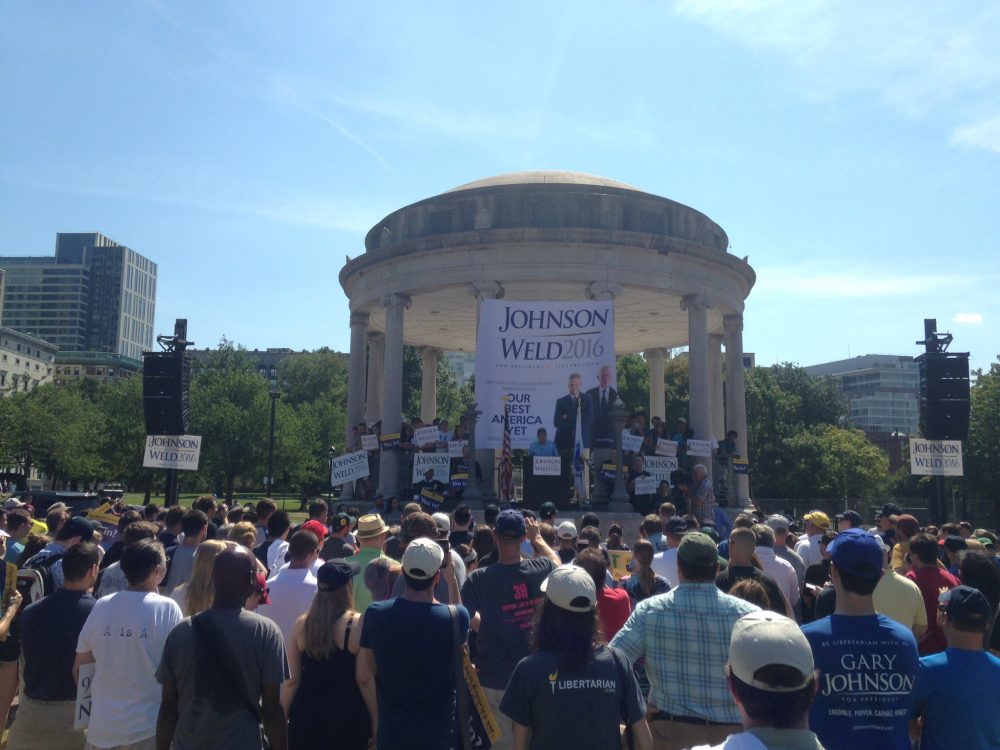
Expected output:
(548, 360)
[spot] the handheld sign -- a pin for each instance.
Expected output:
(666, 447)
(369, 442)
(430, 499)
(81, 714)
(942, 458)
(455, 448)
(631, 443)
(546, 466)
(172, 452)
(389, 441)
(699, 447)
(646, 485)
(661, 466)
(439, 463)
(620, 560)
(741, 466)
(425, 435)
(459, 480)
(349, 467)
(609, 472)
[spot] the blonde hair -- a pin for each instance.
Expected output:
(243, 533)
(319, 635)
(199, 591)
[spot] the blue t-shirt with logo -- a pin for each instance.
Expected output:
(957, 694)
(867, 667)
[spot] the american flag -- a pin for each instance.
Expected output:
(579, 469)
(506, 460)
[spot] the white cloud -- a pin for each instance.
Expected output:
(971, 318)
(984, 134)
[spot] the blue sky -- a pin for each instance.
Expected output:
(851, 149)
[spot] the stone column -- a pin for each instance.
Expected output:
(392, 388)
(736, 399)
(373, 398)
(429, 358)
(602, 291)
(355, 386)
(699, 380)
(657, 394)
(715, 397)
(486, 457)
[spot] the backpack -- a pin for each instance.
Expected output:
(44, 569)
(260, 551)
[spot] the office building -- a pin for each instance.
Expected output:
(93, 295)
(103, 366)
(25, 361)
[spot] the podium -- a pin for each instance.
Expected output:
(540, 489)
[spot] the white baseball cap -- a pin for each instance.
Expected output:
(570, 587)
(422, 558)
(566, 530)
(12, 503)
(443, 523)
(762, 639)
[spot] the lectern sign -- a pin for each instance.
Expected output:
(941, 458)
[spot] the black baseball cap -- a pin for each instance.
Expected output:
(850, 515)
(966, 605)
(510, 523)
(335, 574)
(676, 525)
(547, 510)
(340, 521)
(77, 526)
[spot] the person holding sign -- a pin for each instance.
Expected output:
(637, 470)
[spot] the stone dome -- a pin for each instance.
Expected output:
(544, 177)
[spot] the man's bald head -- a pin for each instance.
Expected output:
(234, 574)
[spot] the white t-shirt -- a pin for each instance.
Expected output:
(782, 572)
(125, 632)
(276, 556)
(808, 549)
(291, 593)
(665, 564)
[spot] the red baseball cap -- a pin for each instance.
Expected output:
(316, 528)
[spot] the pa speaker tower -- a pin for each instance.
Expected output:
(944, 395)
(165, 405)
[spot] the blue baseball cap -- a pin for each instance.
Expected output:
(510, 523)
(858, 553)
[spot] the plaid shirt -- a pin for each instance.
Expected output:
(684, 636)
(703, 502)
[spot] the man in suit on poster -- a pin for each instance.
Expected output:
(565, 420)
(602, 398)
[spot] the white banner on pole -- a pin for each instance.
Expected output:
(699, 448)
(547, 466)
(455, 448)
(666, 447)
(369, 442)
(645, 485)
(661, 466)
(440, 463)
(172, 452)
(526, 353)
(349, 467)
(942, 458)
(631, 443)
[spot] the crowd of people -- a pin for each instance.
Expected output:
(210, 627)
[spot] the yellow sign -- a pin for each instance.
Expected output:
(620, 560)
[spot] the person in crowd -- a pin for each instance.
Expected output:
(701, 499)
(547, 513)
(541, 445)
(898, 597)
(665, 563)
(319, 511)
(264, 508)
(328, 684)
(848, 712)
(18, 527)
(742, 521)
(636, 469)
(644, 581)
(750, 590)
(614, 539)
(222, 670)
(409, 644)
(336, 546)
(849, 519)
(380, 576)
(171, 526)
(742, 544)
(505, 595)
(817, 578)
(448, 588)
(33, 544)
(371, 535)
(980, 571)
(461, 526)
(73, 532)
(779, 524)
(50, 630)
(777, 567)
(208, 505)
(727, 448)
(196, 595)
(114, 551)
(965, 529)
(292, 589)
(907, 527)
(566, 533)
(817, 523)
(684, 637)
(55, 519)
(613, 605)
(194, 525)
(771, 678)
(572, 690)
(484, 545)
(651, 528)
(242, 533)
(273, 550)
(931, 580)
(955, 693)
(112, 578)
(10, 642)
(123, 638)
(952, 547)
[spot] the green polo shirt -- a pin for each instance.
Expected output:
(362, 596)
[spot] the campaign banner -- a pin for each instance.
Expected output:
(631, 443)
(455, 448)
(440, 463)
(425, 435)
(369, 442)
(741, 466)
(348, 467)
(545, 361)
(608, 472)
(459, 480)
(388, 441)
(699, 448)
(940, 458)
(172, 452)
(661, 466)
(645, 485)
(666, 447)
(430, 499)
(546, 466)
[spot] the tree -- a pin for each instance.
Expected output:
(122, 451)
(982, 460)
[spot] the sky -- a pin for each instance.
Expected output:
(850, 149)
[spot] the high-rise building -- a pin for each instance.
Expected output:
(94, 295)
(882, 391)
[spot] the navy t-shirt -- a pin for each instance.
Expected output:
(573, 709)
(957, 694)
(414, 650)
(867, 667)
(50, 629)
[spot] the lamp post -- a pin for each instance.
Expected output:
(619, 495)
(472, 496)
(274, 393)
(331, 452)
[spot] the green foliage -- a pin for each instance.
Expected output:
(633, 386)
(982, 449)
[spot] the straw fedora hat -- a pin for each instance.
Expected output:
(370, 526)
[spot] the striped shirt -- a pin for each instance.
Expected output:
(684, 636)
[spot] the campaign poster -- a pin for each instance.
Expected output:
(549, 363)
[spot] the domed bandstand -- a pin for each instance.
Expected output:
(547, 236)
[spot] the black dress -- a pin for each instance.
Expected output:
(328, 710)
